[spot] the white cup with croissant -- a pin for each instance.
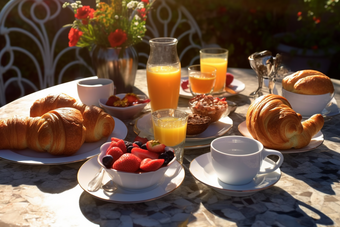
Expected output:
(237, 159)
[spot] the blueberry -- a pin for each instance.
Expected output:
(107, 161)
(129, 148)
(144, 146)
(167, 156)
(138, 143)
(128, 143)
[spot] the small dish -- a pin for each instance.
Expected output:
(174, 177)
(236, 85)
(133, 181)
(202, 169)
(123, 113)
(218, 128)
(316, 141)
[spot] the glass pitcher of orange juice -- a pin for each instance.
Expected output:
(163, 73)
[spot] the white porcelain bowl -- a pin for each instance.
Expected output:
(133, 181)
(307, 105)
(123, 113)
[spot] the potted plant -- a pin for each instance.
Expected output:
(311, 42)
(110, 31)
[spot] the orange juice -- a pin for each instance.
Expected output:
(170, 131)
(201, 83)
(163, 86)
(221, 65)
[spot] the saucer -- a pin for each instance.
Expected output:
(316, 141)
(204, 172)
(236, 86)
(173, 178)
(144, 125)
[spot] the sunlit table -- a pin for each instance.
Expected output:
(308, 193)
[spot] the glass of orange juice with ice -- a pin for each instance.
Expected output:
(218, 58)
(169, 128)
(201, 81)
(163, 73)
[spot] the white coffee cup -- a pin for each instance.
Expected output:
(91, 90)
(237, 159)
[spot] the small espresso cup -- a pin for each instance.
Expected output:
(91, 90)
(237, 159)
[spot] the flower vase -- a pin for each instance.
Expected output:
(118, 64)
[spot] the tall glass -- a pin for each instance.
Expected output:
(218, 58)
(201, 81)
(163, 73)
(170, 127)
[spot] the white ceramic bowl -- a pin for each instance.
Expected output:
(133, 181)
(307, 105)
(123, 112)
(90, 90)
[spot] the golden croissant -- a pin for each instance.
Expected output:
(98, 123)
(271, 120)
(58, 132)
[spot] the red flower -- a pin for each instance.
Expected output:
(84, 13)
(299, 14)
(74, 36)
(252, 11)
(117, 38)
(316, 20)
(142, 13)
(145, 1)
(315, 47)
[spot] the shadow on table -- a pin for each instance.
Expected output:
(48, 178)
(272, 207)
(172, 210)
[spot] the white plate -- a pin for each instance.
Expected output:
(86, 151)
(174, 177)
(316, 141)
(236, 85)
(203, 171)
(219, 128)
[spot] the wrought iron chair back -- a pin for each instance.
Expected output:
(34, 52)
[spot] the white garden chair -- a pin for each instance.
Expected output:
(31, 57)
(170, 19)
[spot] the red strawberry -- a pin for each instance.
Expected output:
(141, 139)
(118, 143)
(130, 98)
(155, 146)
(229, 79)
(111, 100)
(148, 164)
(127, 163)
(142, 153)
(115, 152)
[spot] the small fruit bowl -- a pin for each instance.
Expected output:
(136, 180)
(207, 105)
(124, 113)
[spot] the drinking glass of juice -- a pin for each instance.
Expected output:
(169, 128)
(201, 81)
(163, 73)
(218, 58)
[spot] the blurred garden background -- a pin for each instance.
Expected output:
(247, 26)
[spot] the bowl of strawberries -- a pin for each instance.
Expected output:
(134, 165)
(125, 105)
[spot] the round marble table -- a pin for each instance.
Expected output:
(308, 193)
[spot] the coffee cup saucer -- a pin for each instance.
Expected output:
(204, 172)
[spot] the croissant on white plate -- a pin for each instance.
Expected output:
(98, 123)
(58, 132)
(271, 120)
